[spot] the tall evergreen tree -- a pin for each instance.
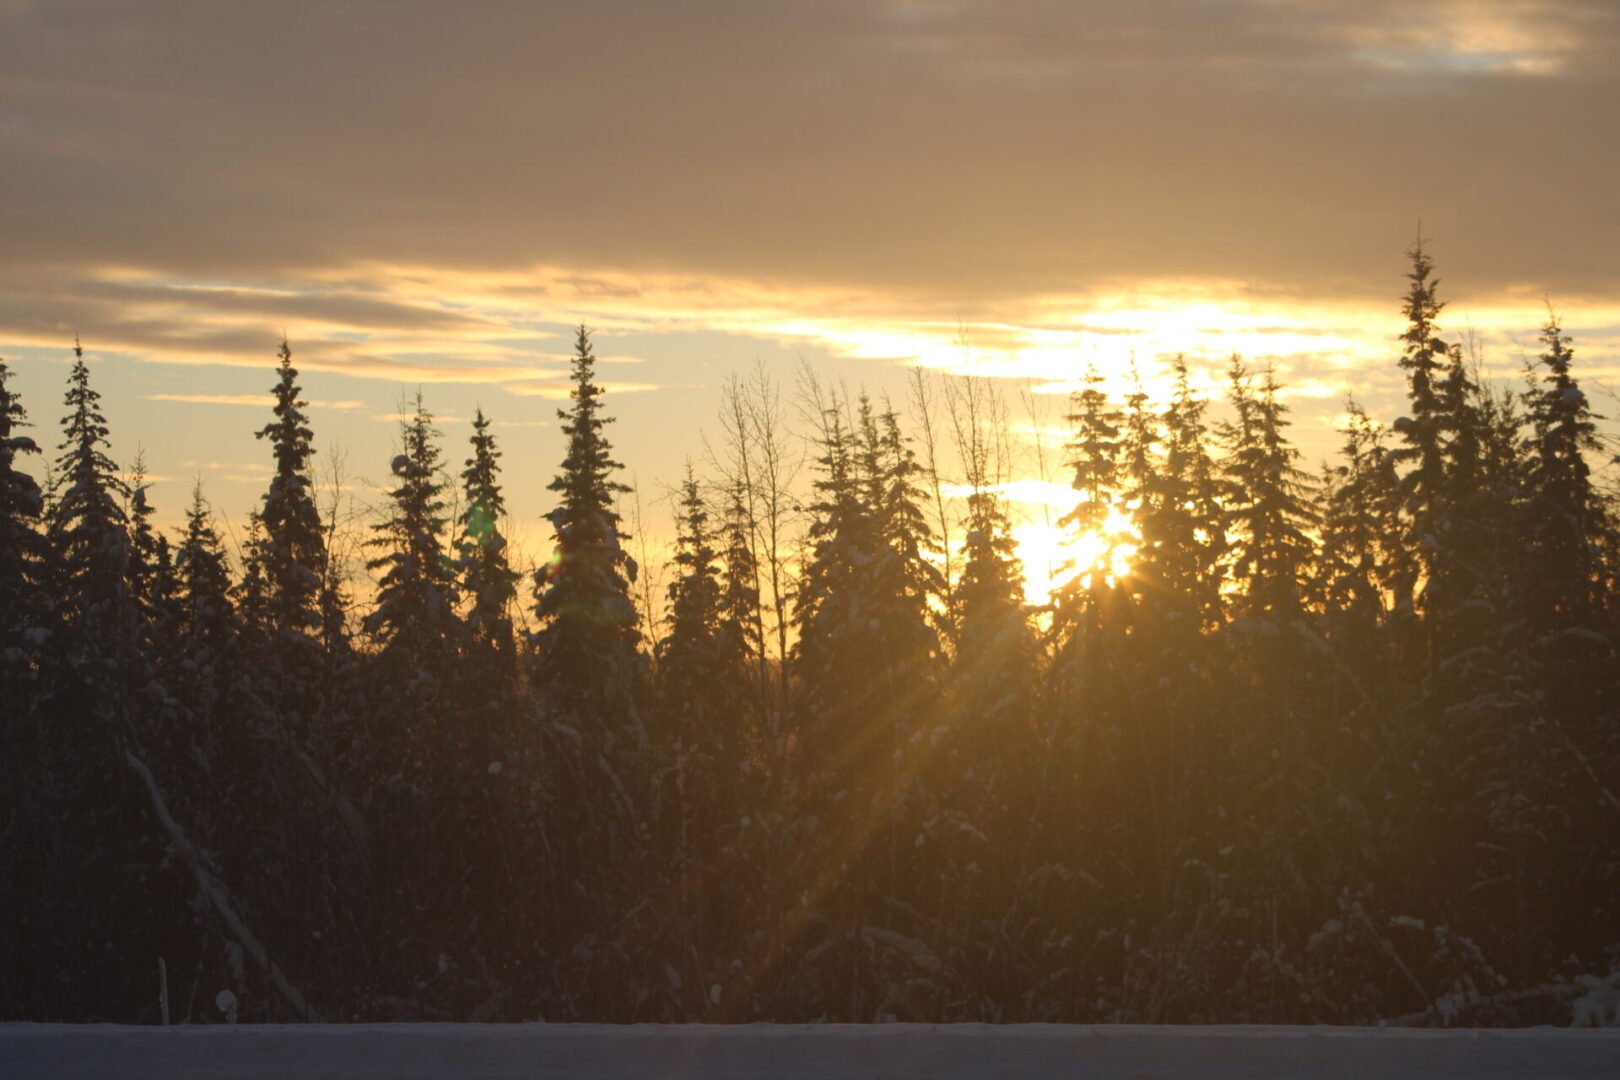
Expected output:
(22, 549)
(252, 590)
(87, 818)
(698, 685)
(1177, 567)
(88, 528)
(828, 615)
(1267, 503)
(293, 551)
(486, 576)
(586, 646)
(1566, 517)
(908, 579)
(25, 643)
(414, 620)
(1360, 536)
(152, 583)
(1424, 358)
(207, 616)
(742, 639)
(1085, 600)
(589, 685)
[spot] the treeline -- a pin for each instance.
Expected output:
(1328, 746)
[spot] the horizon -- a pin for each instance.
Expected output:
(1025, 191)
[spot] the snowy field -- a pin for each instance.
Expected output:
(765, 1051)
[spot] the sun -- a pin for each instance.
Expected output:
(1053, 556)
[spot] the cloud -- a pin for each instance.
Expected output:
(261, 400)
(560, 391)
(407, 417)
(969, 151)
(418, 197)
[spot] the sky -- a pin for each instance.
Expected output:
(433, 195)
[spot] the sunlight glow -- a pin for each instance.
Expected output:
(1053, 556)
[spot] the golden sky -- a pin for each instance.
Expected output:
(431, 194)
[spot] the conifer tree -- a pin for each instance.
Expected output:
(22, 550)
(1424, 358)
(1139, 435)
(88, 528)
(486, 576)
(293, 546)
(697, 685)
(90, 813)
(1177, 567)
(993, 633)
(987, 770)
(152, 583)
(1359, 535)
(994, 645)
(589, 680)
(866, 633)
(207, 623)
(908, 579)
(742, 639)
(252, 595)
(1094, 452)
(208, 671)
(1566, 517)
(586, 646)
(25, 638)
(1267, 503)
(832, 623)
(414, 620)
(1440, 397)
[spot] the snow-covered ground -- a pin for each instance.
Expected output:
(763, 1051)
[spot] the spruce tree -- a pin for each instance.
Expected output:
(207, 621)
(586, 658)
(487, 578)
(1360, 534)
(252, 592)
(90, 812)
(88, 528)
(1267, 499)
(698, 688)
(908, 579)
(833, 627)
(152, 583)
(1085, 601)
(742, 642)
(25, 639)
(22, 547)
(1177, 567)
(1440, 397)
(1424, 358)
(1567, 521)
(414, 622)
(293, 548)
(208, 677)
(867, 638)
(589, 685)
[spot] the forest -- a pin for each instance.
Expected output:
(1334, 745)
